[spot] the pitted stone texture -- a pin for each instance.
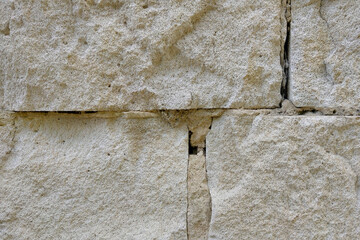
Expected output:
(278, 177)
(325, 53)
(77, 178)
(140, 55)
(7, 132)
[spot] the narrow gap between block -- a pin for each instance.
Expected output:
(286, 65)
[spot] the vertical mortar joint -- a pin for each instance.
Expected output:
(199, 199)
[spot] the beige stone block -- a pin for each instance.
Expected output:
(140, 55)
(199, 202)
(284, 177)
(72, 177)
(325, 53)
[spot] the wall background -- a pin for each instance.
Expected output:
(180, 119)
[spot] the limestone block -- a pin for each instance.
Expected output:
(140, 55)
(325, 53)
(70, 177)
(284, 177)
(199, 202)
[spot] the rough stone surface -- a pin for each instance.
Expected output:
(325, 53)
(70, 177)
(7, 132)
(279, 177)
(199, 202)
(139, 55)
(180, 119)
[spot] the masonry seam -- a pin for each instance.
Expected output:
(207, 182)
(286, 53)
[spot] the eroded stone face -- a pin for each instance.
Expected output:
(140, 55)
(7, 132)
(278, 177)
(89, 178)
(325, 53)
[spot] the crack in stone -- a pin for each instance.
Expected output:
(199, 203)
(187, 192)
(286, 53)
(208, 188)
(328, 74)
(357, 189)
(176, 117)
(322, 16)
(167, 42)
(92, 114)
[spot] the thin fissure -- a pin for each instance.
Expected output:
(199, 209)
(286, 65)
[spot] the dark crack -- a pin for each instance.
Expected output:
(286, 53)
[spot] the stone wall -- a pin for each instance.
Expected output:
(180, 119)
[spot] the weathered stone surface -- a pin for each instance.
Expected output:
(7, 132)
(278, 177)
(199, 202)
(139, 55)
(325, 53)
(70, 177)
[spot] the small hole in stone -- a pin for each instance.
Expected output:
(145, 6)
(193, 150)
(334, 111)
(109, 85)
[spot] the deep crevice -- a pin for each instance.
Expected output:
(204, 149)
(286, 62)
(193, 150)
